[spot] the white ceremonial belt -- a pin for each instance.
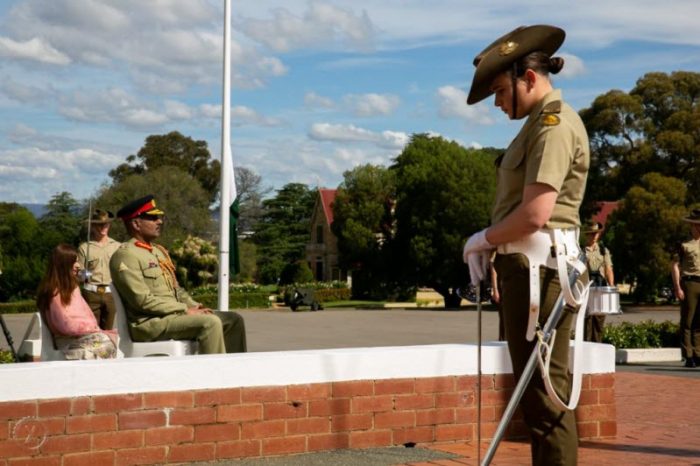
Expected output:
(97, 288)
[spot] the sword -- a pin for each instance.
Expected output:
(529, 370)
(85, 274)
(478, 374)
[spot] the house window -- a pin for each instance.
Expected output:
(319, 234)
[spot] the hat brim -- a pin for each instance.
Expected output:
(692, 220)
(493, 61)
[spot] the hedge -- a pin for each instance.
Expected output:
(646, 334)
(236, 300)
(19, 307)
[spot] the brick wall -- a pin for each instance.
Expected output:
(205, 425)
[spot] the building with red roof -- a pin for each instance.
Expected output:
(322, 249)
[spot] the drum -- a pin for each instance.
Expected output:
(603, 301)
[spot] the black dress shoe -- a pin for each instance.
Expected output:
(690, 362)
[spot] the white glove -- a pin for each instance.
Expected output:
(477, 254)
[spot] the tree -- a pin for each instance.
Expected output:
(177, 193)
(645, 229)
(284, 229)
(444, 193)
(363, 222)
(173, 149)
(22, 262)
(61, 223)
(196, 260)
(250, 195)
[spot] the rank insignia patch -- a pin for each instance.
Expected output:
(550, 120)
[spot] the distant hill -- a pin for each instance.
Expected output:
(36, 209)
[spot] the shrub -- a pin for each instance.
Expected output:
(297, 272)
(18, 307)
(236, 300)
(647, 334)
(6, 357)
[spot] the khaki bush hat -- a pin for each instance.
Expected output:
(504, 51)
(101, 216)
(693, 217)
(593, 227)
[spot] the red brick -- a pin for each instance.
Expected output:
(588, 397)
(352, 388)
(50, 408)
(4, 430)
(414, 401)
(262, 394)
(313, 425)
(91, 458)
(36, 461)
(606, 396)
(587, 430)
(141, 419)
(196, 452)
(372, 404)
(224, 396)
(203, 415)
(596, 413)
(284, 410)
(227, 413)
(435, 384)
(495, 398)
(603, 381)
(454, 399)
(169, 435)
(425, 434)
(148, 455)
(36, 428)
(329, 407)
(501, 381)
(238, 449)
(117, 403)
(328, 441)
(348, 422)
(607, 429)
(94, 423)
(435, 416)
(80, 406)
(168, 400)
(488, 429)
(394, 386)
(262, 429)
(373, 438)
(217, 432)
(118, 440)
(465, 415)
(18, 409)
(445, 433)
(66, 443)
(395, 419)
(466, 382)
(586, 382)
(15, 448)
(308, 392)
(283, 445)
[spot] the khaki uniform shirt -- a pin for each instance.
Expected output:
(689, 258)
(597, 261)
(551, 148)
(145, 284)
(98, 262)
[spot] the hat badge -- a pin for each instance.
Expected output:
(506, 48)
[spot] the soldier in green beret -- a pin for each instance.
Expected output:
(156, 306)
(541, 180)
(686, 282)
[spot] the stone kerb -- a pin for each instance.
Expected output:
(174, 410)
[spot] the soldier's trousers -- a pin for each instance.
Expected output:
(220, 332)
(554, 438)
(690, 319)
(102, 305)
(593, 328)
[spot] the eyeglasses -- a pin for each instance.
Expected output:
(151, 217)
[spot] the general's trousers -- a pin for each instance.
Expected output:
(690, 319)
(554, 438)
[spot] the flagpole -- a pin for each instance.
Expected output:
(226, 168)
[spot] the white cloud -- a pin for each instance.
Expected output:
(313, 100)
(352, 133)
(452, 103)
(177, 110)
(322, 26)
(35, 49)
(573, 66)
(367, 105)
(21, 92)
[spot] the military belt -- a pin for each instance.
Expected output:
(99, 289)
(691, 278)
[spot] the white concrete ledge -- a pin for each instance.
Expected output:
(60, 379)
(642, 355)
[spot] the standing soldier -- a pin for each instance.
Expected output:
(600, 272)
(94, 258)
(686, 282)
(541, 180)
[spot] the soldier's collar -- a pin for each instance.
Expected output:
(144, 245)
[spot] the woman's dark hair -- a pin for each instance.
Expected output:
(59, 278)
(540, 63)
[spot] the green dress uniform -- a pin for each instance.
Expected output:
(156, 306)
(597, 261)
(689, 263)
(96, 291)
(551, 148)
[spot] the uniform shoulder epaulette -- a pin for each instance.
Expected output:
(549, 113)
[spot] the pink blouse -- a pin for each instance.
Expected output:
(73, 320)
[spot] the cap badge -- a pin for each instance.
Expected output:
(506, 48)
(550, 120)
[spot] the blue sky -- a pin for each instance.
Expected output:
(319, 86)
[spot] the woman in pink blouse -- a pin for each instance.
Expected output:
(69, 317)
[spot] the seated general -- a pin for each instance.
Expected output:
(157, 307)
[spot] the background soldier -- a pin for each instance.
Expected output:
(600, 272)
(96, 256)
(686, 282)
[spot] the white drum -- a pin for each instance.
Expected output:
(603, 301)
